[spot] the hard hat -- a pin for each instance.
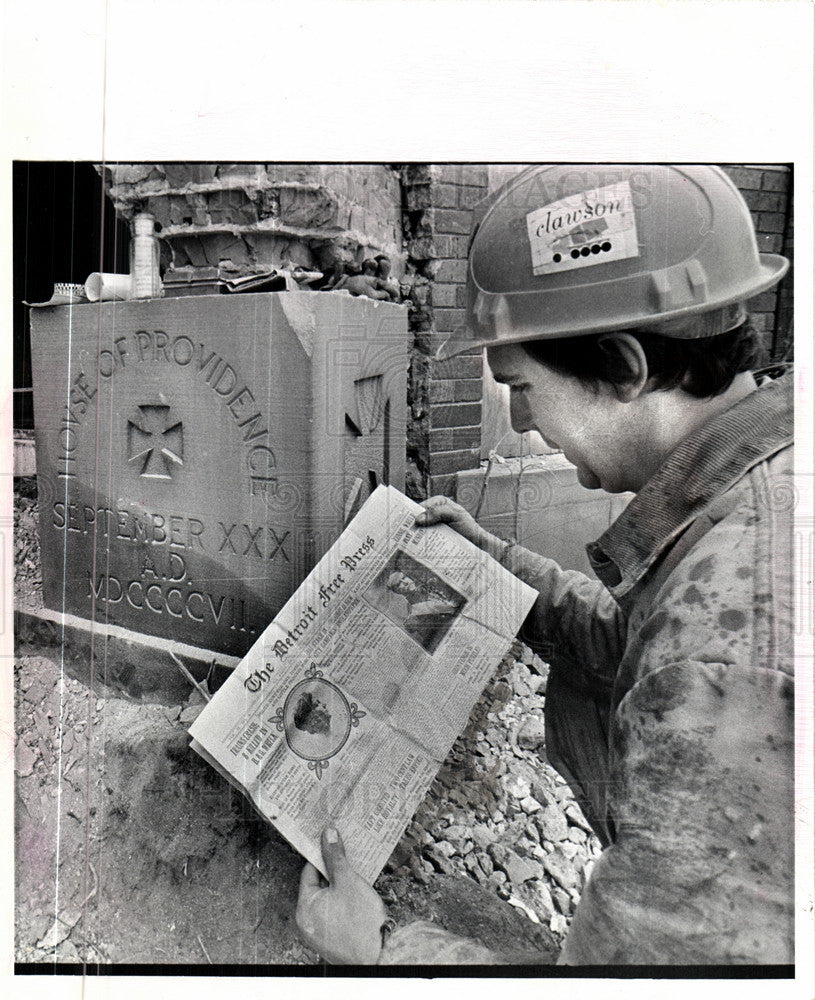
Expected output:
(567, 250)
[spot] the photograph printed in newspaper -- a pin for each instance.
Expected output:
(346, 707)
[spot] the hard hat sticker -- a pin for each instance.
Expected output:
(591, 227)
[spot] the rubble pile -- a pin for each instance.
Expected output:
(497, 813)
(27, 575)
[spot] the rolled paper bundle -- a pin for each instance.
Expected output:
(105, 287)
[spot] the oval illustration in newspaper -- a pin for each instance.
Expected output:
(316, 719)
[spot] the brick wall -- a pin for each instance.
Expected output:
(446, 396)
(768, 192)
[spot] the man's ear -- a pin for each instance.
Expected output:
(625, 352)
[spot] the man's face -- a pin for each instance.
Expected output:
(402, 584)
(569, 415)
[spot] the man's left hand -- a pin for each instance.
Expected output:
(342, 920)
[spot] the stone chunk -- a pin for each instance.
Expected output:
(552, 824)
(563, 901)
(518, 869)
(517, 787)
(483, 836)
(457, 834)
(497, 878)
(561, 870)
(574, 813)
(537, 895)
(24, 759)
(532, 735)
(441, 863)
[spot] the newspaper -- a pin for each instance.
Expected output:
(345, 708)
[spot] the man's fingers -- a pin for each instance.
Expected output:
(334, 854)
(437, 510)
(309, 882)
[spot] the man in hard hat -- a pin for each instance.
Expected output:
(611, 301)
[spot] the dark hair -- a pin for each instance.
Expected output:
(703, 368)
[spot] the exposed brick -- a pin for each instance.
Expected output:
(469, 197)
(419, 173)
(308, 207)
(423, 248)
(456, 196)
(462, 173)
(231, 206)
(452, 246)
(452, 220)
(291, 173)
(775, 180)
(464, 390)
(240, 174)
(469, 390)
(453, 461)
(446, 196)
(462, 366)
(418, 198)
(456, 415)
(744, 177)
(461, 296)
(771, 222)
(770, 242)
(447, 320)
(189, 249)
(455, 438)
(764, 302)
(222, 249)
(452, 271)
(442, 391)
(126, 174)
(444, 295)
(180, 174)
(765, 201)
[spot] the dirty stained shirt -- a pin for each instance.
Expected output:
(683, 652)
(687, 644)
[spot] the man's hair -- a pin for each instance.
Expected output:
(703, 368)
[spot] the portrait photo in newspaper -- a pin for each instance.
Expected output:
(416, 599)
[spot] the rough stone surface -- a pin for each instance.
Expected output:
(552, 824)
(356, 206)
(195, 527)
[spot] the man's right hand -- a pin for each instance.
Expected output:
(443, 510)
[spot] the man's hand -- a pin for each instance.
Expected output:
(342, 920)
(443, 510)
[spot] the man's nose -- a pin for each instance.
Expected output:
(520, 415)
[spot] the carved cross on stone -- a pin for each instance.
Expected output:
(155, 440)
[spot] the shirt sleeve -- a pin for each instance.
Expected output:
(575, 623)
(701, 788)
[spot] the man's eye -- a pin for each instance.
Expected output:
(519, 386)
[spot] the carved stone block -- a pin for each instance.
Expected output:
(196, 456)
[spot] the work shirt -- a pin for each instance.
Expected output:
(669, 705)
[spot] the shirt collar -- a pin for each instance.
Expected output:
(703, 466)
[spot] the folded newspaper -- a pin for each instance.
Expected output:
(347, 705)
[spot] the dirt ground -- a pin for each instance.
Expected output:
(131, 849)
